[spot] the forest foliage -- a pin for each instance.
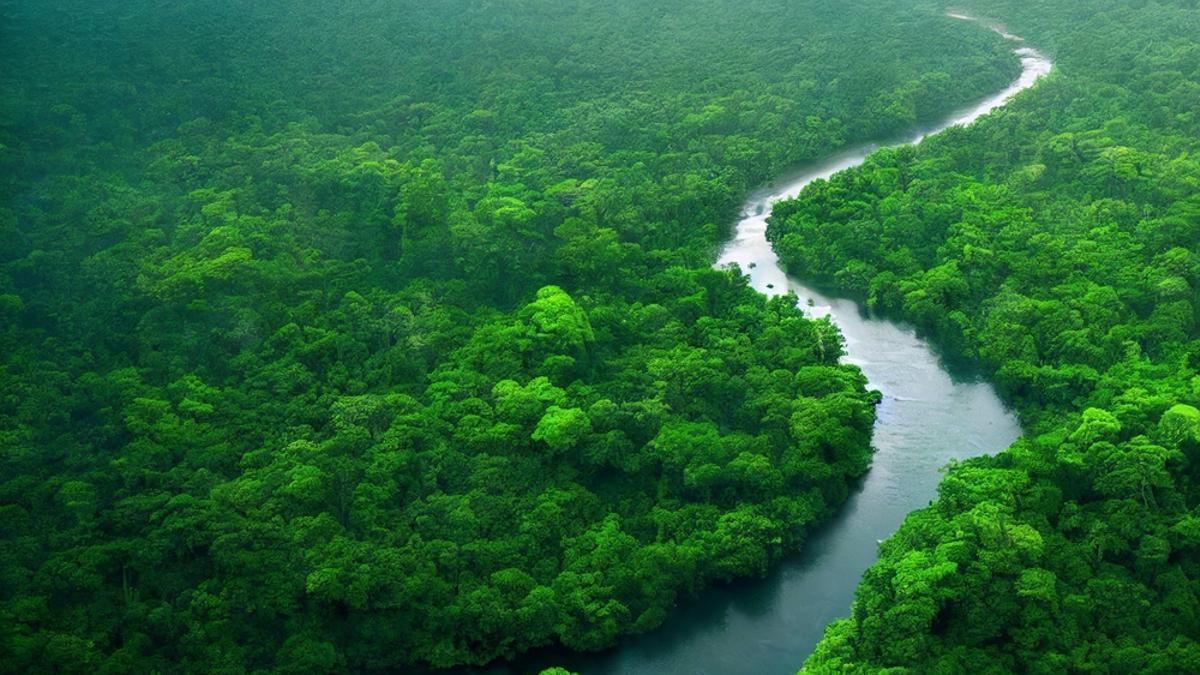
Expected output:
(347, 336)
(1057, 243)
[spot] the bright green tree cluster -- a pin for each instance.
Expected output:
(1057, 242)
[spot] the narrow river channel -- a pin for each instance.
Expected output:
(927, 418)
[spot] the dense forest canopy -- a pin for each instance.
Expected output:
(348, 336)
(1057, 243)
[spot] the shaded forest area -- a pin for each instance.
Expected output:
(361, 335)
(1056, 243)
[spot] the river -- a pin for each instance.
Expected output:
(926, 419)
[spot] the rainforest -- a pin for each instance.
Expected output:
(396, 336)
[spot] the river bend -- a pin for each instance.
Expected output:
(926, 419)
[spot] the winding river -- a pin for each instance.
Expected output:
(927, 418)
